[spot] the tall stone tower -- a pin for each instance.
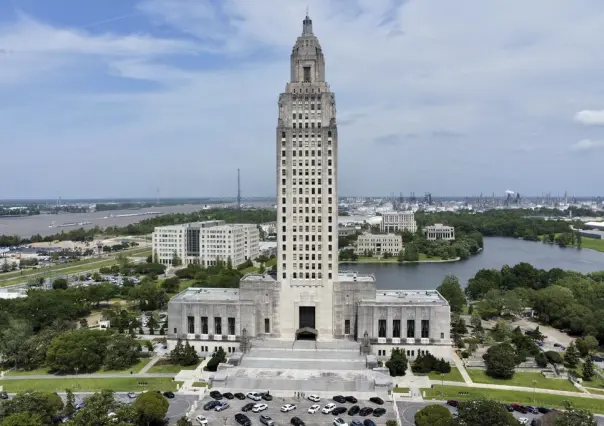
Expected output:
(307, 193)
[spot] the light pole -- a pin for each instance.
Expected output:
(534, 385)
(225, 418)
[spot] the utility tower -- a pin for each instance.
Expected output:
(238, 196)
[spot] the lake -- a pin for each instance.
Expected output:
(497, 252)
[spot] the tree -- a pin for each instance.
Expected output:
(433, 415)
(12, 337)
(176, 261)
(122, 352)
(476, 322)
(451, 290)
(484, 412)
(183, 421)
(398, 362)
(151, 408)
(69, 408)
(536, 334)
(588, 369)
(500, 361)
(82, 350)
(23, 419)
(586, 344)
(59, 284)
(40, 405)
(571, 356)
(411, 253)
(574, 417)
(171, 284)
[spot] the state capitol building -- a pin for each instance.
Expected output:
(309, 298)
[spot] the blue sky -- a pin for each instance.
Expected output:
(115, 98)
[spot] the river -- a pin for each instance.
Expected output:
(497, 252)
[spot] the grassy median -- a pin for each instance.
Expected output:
(126, 384)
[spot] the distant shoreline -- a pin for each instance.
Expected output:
(377, 261)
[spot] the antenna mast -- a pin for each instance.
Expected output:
(239, 195)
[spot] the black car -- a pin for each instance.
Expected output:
(338, 410)
(376, 400)
(351, 399)
(228, 395)
(239, 396)
(243, 420)
(169, 394)
(210, 405)
(544, 410)
(365, 411)
(266, 396)
(354, 410)
(216, 395)
(508, 407)
(453, 403)
(368, 422)
(296, 421)
(248, 406)
(339, 398)
(3, 395)
(379, 412)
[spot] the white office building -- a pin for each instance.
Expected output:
(439, 231)
(397, 221)
(378, 244)
(206, 243)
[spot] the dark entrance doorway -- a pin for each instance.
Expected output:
(307, 329)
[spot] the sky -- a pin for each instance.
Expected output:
(117, 98)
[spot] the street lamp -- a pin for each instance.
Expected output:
(534, 385)
(225, 418)
(442, 379)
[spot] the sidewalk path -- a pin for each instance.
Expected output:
(523, 389)
(461, 368)
(149, 365)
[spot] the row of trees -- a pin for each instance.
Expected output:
(219, 275)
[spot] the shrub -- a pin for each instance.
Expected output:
(554, 357)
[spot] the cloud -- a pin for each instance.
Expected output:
(590, 117)
(587, 145)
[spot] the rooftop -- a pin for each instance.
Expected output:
(196, 294)
(412, 297)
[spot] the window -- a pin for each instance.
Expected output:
(346, 326)
(442, 335)
(410, 328)
(307, 74)
(231, 321)
(396, 328)
(204, 325)
(191, 325)
(381, 328)
(217, 325)
(267, 325)
(425, 328)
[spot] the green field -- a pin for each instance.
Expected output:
(401, 390)
(588, 243)
(199, 384)
(164, 366)
(42, 371)
(527, 380)
(125, 384)
(511, 397)
(453, 376)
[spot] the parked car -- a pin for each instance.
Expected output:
(202, 420)
(328, 408)
(254, 396)
(296, 421)
(169, 394)
(379, 412)
(243, 420)
(239, 395)
(80, 405)
(228, 395)
(247, 407)
(266, 396)
(222, 406)
(314, 398)
(356, 422)
(338, 410)
(266, 420)
(523, 420)
(210, 405)
(520, 408)
(259, 407)
(338, 421)
(131, 395)
(453, 403)
(351, 399)
(544, 410)
(508, 407)
(368, 422)
(376, 400)
(532, 410)
(3, 395)
(314, 408)
(339, 398)
(365, 411)
(287, 407)
(216, 395)
(354, 410)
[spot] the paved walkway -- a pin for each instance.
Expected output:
(523, 389)
(149, 365)
(461, 368)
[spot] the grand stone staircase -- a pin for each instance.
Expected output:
(303, 366)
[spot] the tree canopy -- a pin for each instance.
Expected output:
(433, 415)
(451, 290)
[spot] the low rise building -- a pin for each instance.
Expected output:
(378, 244)
(397, 221)
(439, 231)
(346, 231)
(206, 243)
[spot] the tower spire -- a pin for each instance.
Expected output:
(307, 25)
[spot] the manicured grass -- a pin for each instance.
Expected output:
(528, 380)
(43, 371)
(164, 366)
(199, 384)
(126, 384)
(422, 256)
(453, 376)
(586, 242)
(401, 390)
(37, 372)
(135, 368)
(596, 391)
(510, 397)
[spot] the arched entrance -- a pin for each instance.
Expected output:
(306, 333)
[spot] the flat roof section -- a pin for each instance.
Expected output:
(196, 294)
(411, 297)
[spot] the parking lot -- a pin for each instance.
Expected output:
(227, 417)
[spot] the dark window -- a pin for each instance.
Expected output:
(396, 328)
(217, 325)
(442, 335)
(381, 328)
(410, 328)
(231, 326)
(267, 325)
(306, 73)
(204, 325)
(346, 326)
(174, 330)
(191, 325)
(425, 328)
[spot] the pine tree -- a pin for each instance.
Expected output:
(571, 357)
(177, 353)
(588, 369)
(69, 408)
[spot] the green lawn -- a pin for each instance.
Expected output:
(453, 376)
(135, 368)
(126, 384)
(44, 371)
(596, 391)
(199, 384)
(528, 380)
(164, 366)
(588, 243)
(401, 390)
(512, 397)
(36, 372)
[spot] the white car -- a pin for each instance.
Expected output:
(523, 420)
(314, 398)
(259, 407)
(255, 396)
(288, 407)
(314, 408)
(328, 408)
(202, 420)
(339, 422)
